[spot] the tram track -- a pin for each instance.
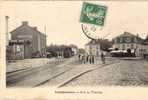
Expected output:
(83, 73)
(68, 66)
(73, 73)
(14, 79)
(54, 76)
(18, 75)
(13, 73)
(42, 74)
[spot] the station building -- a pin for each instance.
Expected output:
(134, 43)
(26, 42)
(93, 47)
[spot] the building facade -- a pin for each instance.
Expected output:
(28, 41)
(93, 48)
(128, 41)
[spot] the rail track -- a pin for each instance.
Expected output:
(18, 75)
(17, 78)
(33, 77)
(72, 74)
(83, 73)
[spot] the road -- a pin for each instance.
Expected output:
(70, 72)
(124, 73)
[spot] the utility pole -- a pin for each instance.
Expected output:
(45, 41)
(7, 30)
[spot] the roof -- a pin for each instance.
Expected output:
(25, 23)
(128, 34)
(145, 42)
(93, 42)
(125, 34)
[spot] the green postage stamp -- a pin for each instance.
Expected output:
(93, 14)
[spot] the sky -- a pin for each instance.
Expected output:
(61, 19)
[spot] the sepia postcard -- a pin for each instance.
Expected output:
(73, 50)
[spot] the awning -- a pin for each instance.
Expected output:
(122, 51)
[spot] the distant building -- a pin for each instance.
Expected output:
(60, 51)
(27, 41)
(74, 49)
(93, 47)
(128, 41)
(96, 47)
(81, 51)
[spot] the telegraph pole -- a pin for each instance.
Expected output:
(7, 30)
(45, 40)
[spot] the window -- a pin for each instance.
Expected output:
(90, 47)
(127, 39)
(121, 40)
(115, 40)
(136, 46)
(132, 46)
(135, 39)
(123, 47)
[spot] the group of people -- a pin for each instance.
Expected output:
(83, 58)
(86, 58)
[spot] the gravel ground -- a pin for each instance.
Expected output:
(125, 73)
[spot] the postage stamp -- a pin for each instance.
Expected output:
(92, 19)
(93, 14)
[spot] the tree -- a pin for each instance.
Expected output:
(105, 44)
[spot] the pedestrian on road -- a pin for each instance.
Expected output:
(103, 58)
(87, 58)
(82, 59)
(93, 60)
(79, 57)
(90, 59)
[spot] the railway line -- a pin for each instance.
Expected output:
(75, 73)
(82, 73)
(32, 76)
(54, 74)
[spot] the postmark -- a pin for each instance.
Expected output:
(93, 19)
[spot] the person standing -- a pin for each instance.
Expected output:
(82, 60)
(87, 58)
(79, 57)
(93, 59)
(103, 58)
(90, 59)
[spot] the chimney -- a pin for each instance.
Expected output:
(25, 23)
